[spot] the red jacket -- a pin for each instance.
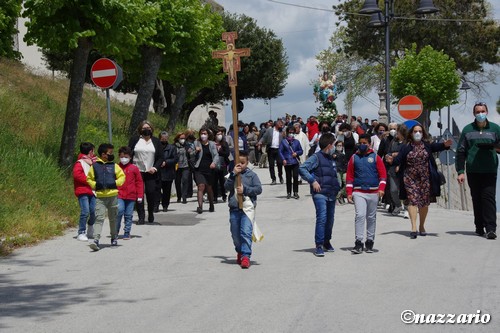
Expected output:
(133, 188)
(80, 171)
(312, 128)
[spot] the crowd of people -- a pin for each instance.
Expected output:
(371, 164)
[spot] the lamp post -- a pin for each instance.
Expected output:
(378, 20)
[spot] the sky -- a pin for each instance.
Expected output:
(305, 32)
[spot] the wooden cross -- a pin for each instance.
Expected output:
(231, 65)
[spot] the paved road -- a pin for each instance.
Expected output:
(180, 276)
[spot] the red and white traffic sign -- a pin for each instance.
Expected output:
(410, 107)
(104, 73)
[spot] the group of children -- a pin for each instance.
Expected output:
(118, 186)
(100, 185)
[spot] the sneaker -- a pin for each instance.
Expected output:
(387, 207)
(288, 196)
(273, 182)
(491, 235)
(296, 195)
(114, 241)
(126, 236)
(238, 258)
(94, 245)
(480, 231)
(82, 237)
(281, 180)
(406, 215)
(369, 246)
(328, 247)
(358, 247)
(90, 231)
(396, 211)
(319, 251)
(245, 262)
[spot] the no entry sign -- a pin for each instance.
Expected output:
(105, 73)
(410, 107)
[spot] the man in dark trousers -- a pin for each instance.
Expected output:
(272, 138)
(477, 151)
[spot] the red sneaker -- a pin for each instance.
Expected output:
(238, 258)
(245, 262)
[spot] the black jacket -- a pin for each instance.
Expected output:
(170, 157)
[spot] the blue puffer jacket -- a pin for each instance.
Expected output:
(320, 167)
(289, 147)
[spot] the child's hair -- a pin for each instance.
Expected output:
(86, 148)
(125, 150)
(365, 136)
(325, 140)
(104, 147)
(243, 154)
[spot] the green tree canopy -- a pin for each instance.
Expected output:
(466, 32)
(9, 12)
(431, 75)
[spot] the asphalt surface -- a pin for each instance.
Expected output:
(180, 275)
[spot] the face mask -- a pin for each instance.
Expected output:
(363, 147)
(339, 149)
(480, 117)
(204, 137)
(347, 134)
(325, 129)
(111, 157)
(331, 151)
(164, 143)
(219, 137)
(146, 132)
(182, 141)
(124, 160)
(392, 132)
(290, 135)
(417, 136)
(380, 132)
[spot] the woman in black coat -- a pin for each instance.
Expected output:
(167, 170)
(420, 181)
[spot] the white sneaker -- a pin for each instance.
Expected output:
(387, 207)
(90, 231)
(82, 237)
(405, 215)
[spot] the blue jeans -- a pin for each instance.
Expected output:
(87, 211)
(125, 208)
(241, 231)
(325, 209)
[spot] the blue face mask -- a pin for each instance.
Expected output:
(480, 117)
(363, 147)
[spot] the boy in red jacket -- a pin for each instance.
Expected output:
(366, 177)
(129, 192)
(85, 195)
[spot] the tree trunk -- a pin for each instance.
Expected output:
(76, 84)
(180, 98)
(151, 62)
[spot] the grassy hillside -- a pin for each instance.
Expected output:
(36, 197)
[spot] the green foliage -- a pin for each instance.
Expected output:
(472, 41)
(113, 26)
(431, 75)
(9, 12)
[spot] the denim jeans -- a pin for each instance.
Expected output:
(125, 209)
(241, 231)
(325, 209)
(87, 211)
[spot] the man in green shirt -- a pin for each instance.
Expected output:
(477, 151)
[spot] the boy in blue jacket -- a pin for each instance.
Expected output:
(241, 219)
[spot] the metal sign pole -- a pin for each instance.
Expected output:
(108, 106)
(448, 173)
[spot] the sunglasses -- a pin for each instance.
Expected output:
(479, 103)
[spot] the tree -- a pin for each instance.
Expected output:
(78, 26)
(9, 12)
(431, 75)
(186, 44)
(472, 38)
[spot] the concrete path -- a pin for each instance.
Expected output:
(181, 276)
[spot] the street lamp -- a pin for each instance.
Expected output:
(378, 20)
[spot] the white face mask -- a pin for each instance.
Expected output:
(219, 137)
(417, 136)
(347, 134)
(124, 160)
(392, 132)
(203, 137)
(181, 141)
